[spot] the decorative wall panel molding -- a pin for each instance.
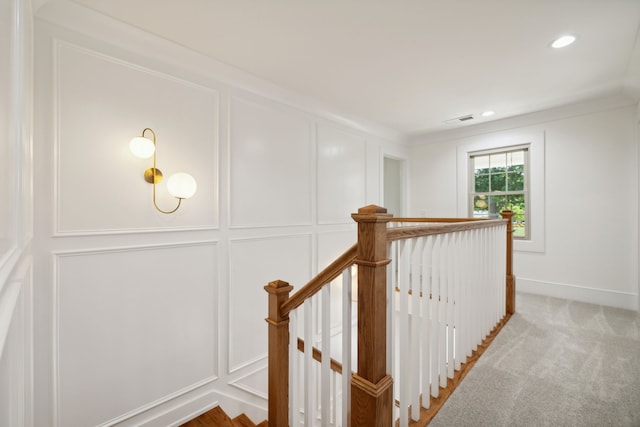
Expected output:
(254, 382)
(270, 164)
(253, 263)
(140, 322)
(341, 174)
(100, 103)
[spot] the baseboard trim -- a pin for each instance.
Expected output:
(625, 300)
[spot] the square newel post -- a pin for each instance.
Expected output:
(511, 280)
(372, 387)
(278, 354)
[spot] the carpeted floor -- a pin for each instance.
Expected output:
(556, 363)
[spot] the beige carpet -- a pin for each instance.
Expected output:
(556, 363)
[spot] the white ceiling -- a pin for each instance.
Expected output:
(410, 65)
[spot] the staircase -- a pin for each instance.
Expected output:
(218, 418)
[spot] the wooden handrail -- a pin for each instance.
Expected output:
(413, 219)
(332, 271)
(426, 230)
(317, 355)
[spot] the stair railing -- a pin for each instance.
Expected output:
(447, 282)
(425, 319)
(306, 313)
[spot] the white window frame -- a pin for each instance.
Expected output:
(524, 192)
(505, 141)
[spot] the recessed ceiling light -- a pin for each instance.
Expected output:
(563, 41)
(488, 113)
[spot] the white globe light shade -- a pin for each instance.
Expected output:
(142, 147)
(181, 185)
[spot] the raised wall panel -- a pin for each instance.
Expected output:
(134, 327)
(100, 104)
(270, 165)
(341, 174)
(253, 264)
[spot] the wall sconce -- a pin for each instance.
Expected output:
(180, 185)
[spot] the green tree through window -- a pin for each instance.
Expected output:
(500, 182)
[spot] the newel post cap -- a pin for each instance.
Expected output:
(372, 213)
(506, 213)
(278, 286)
(372, 209)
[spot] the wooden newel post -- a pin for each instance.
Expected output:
(511, 280)
(278, 354)
(372, 387)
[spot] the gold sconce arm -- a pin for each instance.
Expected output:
(180, 185)
(158, 208)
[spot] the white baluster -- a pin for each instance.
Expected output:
(468, 296)
(496, 274)
(450, 287)
(309, 373)
(403, 323)
(485, 284)
(442, 318)
(393, 340)
(294, 370)
(478, 290)
(426, 321)
(391, 294)
(325, 364)
(346, 346)
(435, 317)
(416, 258)
(501, 260)
(334, 400)
(473, 291)
(457, 306)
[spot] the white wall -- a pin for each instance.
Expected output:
(16, 301)
(154, 318)
(591, 194)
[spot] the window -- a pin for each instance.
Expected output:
(534, 187)
(499, 181)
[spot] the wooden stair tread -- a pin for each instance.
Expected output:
(243, 421)
(214, 417)
(217, 417)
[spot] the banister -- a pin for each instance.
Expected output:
(425, 230)
(371, 386)
(413, 219)
(332, 271)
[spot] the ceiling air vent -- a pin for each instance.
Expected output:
(460, 119)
